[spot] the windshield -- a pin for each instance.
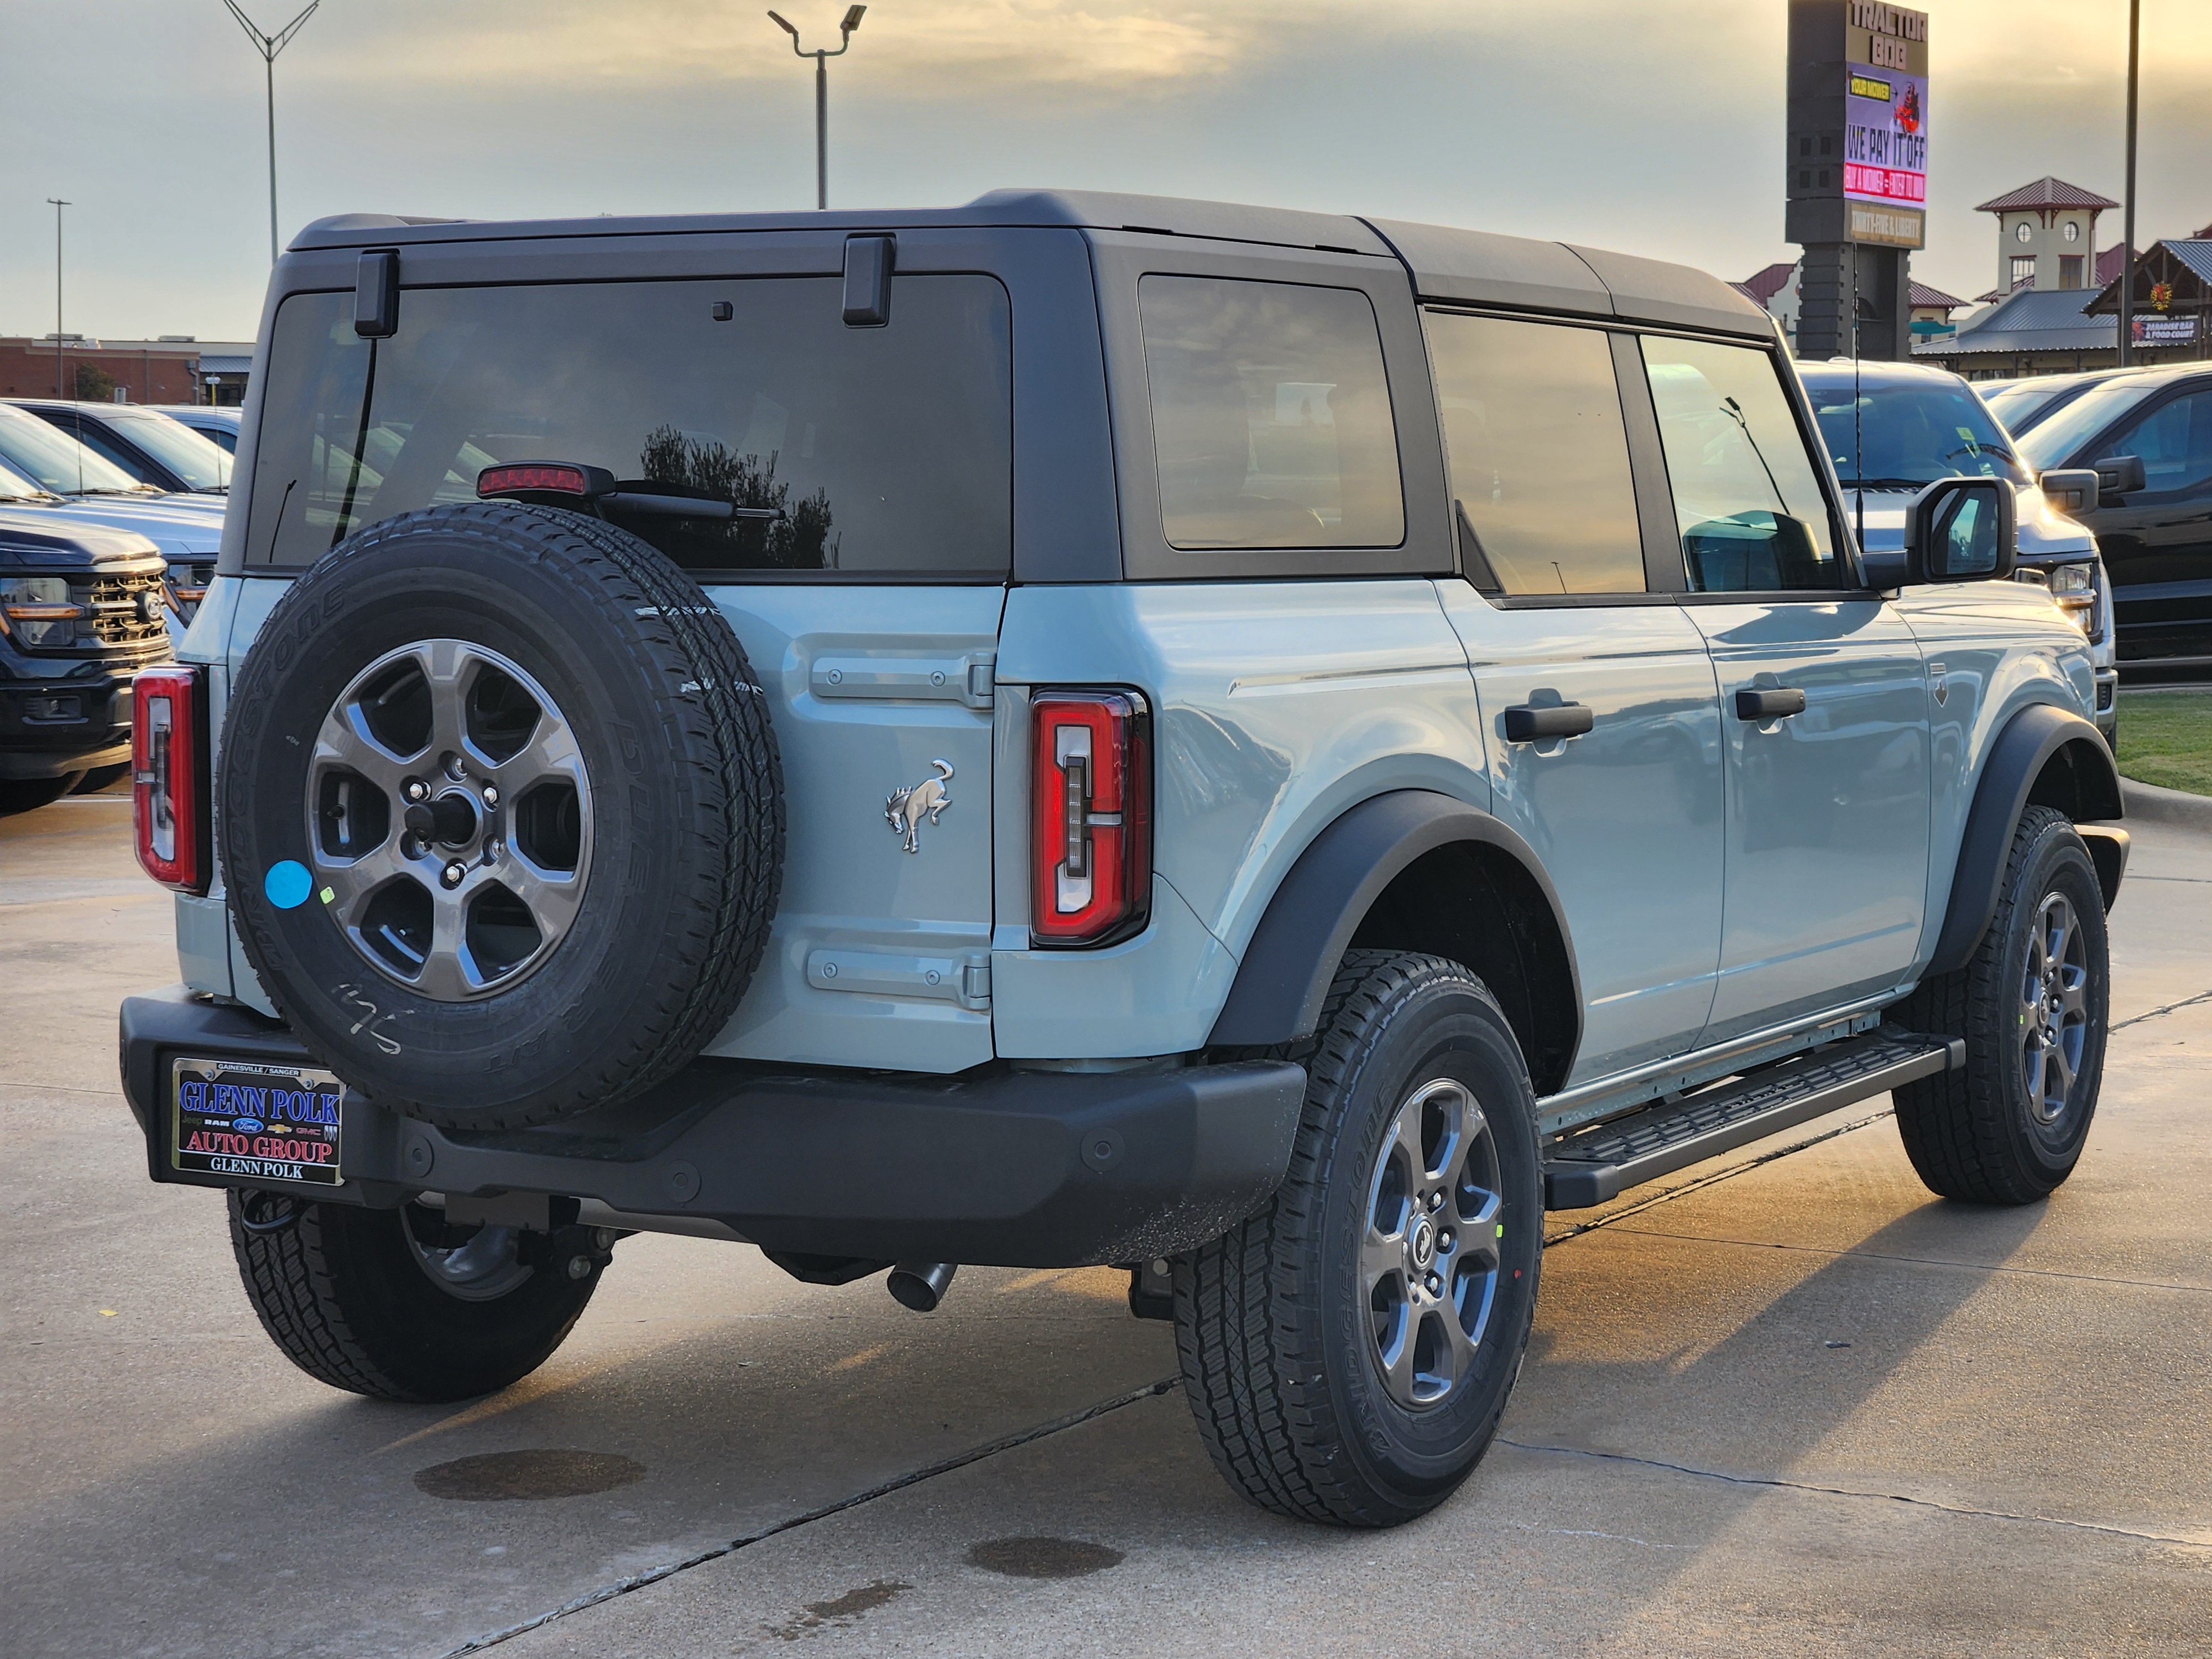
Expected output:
(2056, 440)
(200, 463)
(1915, 432)
(886, 450)
(2016, 405)
(50, 458)
(14, 487)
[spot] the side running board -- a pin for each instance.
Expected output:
(1599, 1162)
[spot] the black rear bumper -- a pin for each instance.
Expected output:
(1009, 1167)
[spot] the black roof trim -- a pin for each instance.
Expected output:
(1476, 267)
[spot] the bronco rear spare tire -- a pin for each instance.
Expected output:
(502, 814)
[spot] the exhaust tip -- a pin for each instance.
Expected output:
(921, 1285)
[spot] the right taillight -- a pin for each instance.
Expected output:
(169, 795)
(1090, 831)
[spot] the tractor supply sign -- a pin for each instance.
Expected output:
(1886, 106)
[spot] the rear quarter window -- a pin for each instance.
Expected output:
(889, 450)
(1270, 415)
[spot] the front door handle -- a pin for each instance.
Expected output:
(1770, 702)
(1532, 723)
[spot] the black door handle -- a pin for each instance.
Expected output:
(1769, 703)
(1532, 723)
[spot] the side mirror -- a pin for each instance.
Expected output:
(1962, 530)
(2117, 474)
(2073, 491)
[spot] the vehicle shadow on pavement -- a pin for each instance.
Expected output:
(293, 1522)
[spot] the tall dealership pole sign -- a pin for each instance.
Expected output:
(1857, 172)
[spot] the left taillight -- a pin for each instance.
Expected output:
(1091, 832)
(168, 762)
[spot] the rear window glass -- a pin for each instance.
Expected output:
(888, 450)
(1270, 415)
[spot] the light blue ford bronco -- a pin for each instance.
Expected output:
(1263, 748)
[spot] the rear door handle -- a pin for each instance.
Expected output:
(1769, 703)
(1532, 723)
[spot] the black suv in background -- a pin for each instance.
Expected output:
(2149, 438)
(81, 613)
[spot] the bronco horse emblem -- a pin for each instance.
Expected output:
(906, 808)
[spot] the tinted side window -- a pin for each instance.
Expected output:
(889, 450)
(1537, 453)
(1270, 415)
(1748, 498)
(96, 438)
(2175, 443)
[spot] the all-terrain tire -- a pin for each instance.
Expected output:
(1974, 1133)
(339, 1289)
(1277, 1338)
(680, 870)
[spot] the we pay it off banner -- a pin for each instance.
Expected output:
(1885, 136)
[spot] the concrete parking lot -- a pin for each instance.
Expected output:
(1785, 1404)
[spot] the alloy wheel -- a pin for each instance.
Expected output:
(2054, 1008)
(1428, 1256)
(449, 819)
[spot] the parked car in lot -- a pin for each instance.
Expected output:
(1264, 748)
(81, 613)
(1917, 424)
(187, 528)
(143, 442)
(2147, 436)
(217, 422)
(2021, 405)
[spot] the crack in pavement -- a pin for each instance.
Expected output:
(2171, 1007)
(1779, 1484)
(821, 1512)
(1921, 1261)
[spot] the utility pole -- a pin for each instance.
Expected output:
(57, 204)
(269, 45)
(2128, 222)
(820, 55)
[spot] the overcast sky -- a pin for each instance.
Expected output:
(1653, 127)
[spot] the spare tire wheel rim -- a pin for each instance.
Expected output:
(449, 819)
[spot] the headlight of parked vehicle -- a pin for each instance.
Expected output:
(2075, 587)
(38, 609)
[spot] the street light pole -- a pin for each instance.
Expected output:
(2128, 230)
(820, 55)
(59, 204)
(269, 45)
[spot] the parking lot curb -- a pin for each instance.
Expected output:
(2177, 807)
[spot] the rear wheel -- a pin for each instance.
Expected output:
(394, 1305)
(2009, 1126)
(1348, 1350)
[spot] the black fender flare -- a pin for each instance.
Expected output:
(1308, 924)
(2017, 758)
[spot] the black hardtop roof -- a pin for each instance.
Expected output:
(1467, 266)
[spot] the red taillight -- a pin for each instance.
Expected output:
(1091, 832)
(559, 479)
(168, 752)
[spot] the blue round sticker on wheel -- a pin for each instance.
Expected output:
(286, 885)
